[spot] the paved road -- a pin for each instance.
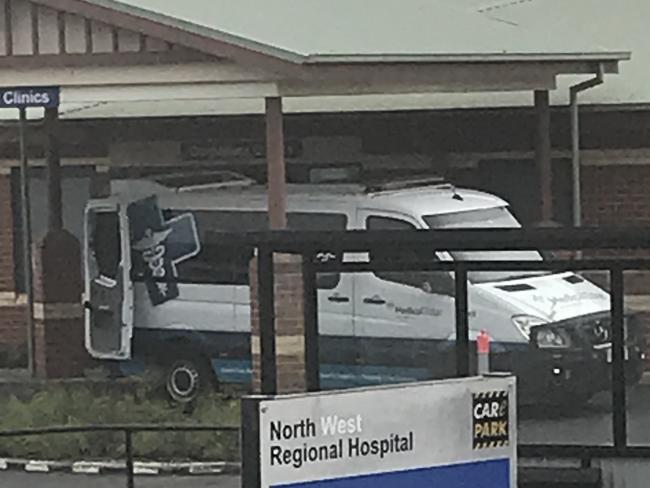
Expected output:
(18, 479)
(591, 424)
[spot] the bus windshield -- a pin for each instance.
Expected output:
(485, 218)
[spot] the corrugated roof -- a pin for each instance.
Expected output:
(349, 30)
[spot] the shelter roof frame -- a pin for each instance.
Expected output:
(220, 65)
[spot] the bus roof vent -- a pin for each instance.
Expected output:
(202, 180)
(403, 184)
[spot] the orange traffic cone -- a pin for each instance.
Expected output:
(483, 351)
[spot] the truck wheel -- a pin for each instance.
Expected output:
(187, 378)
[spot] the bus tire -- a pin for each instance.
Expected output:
(187, 377)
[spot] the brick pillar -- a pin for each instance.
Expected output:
(58, 315)
(7, 283)
(13, 334)
(289, 324)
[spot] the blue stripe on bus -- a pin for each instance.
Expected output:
(385, 360)
(479, 474)
(238, 371)
(331, 375)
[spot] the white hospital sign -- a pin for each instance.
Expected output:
(453, 433)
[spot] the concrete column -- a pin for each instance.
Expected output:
(543, 155)
(276, 172)
(289, 325)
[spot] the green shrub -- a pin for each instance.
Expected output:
(78, 405)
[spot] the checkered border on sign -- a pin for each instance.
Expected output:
(491, 444)
(491, 395)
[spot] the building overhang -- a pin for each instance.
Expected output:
(101, 51)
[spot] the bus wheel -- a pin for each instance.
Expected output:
(186, 378)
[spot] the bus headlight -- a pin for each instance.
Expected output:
(541, 333)
(549, 337)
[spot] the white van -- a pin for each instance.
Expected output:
(159, 288)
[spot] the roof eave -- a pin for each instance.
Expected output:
(602, 57)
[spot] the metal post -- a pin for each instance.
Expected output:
(54, 198)
(619, 400)
(250, 442)
(310, 300)
(576, 210)
(275, 164)
(575, 140)
(266, 302)
(543, 153)
(128, 443)
(462, 324)
(575, 159)
(27, 241)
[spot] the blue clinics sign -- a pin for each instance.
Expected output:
(30, 96)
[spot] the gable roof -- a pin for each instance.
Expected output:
(312, 38)
(317, 31)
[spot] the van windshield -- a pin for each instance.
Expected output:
(485, 218)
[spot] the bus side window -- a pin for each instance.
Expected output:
(220, 263)
(105, 243)
(224, 264)
(415, 278)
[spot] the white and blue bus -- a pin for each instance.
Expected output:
(158, 289)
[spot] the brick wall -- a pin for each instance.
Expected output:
(619, 195)
(616, 195)
(60, 351)
(7, 283)
(13, 334)
(12, 323)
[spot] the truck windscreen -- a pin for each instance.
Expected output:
(496, 217)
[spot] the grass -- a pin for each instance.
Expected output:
(77, 405)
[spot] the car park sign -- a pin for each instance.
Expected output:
(453, 433)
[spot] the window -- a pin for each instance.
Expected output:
(497, 217)
(431, 281)
(221, 263)
(105, 243)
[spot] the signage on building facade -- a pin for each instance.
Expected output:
(453, 433)
(30, 96)
(234, 149)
